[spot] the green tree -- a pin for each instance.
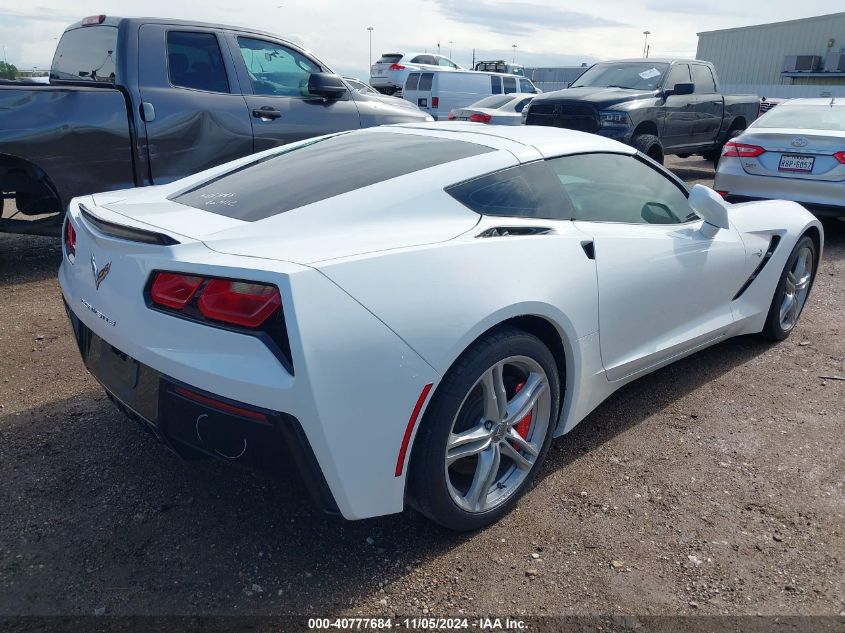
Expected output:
(8, 71)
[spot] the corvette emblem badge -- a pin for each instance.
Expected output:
(99, 273)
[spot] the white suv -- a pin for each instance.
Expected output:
(389, 73)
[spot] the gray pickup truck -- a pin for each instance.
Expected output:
(660, 106)
(136, 101)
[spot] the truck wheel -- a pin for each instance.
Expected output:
(716, 154)
(649, 145)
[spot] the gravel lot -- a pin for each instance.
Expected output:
(714, 486)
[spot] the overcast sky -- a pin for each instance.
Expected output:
(546, 32)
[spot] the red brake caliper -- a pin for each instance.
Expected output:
(524, 425)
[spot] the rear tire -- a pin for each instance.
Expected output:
(476, 454)
(792, 291)
(715, 155)
(649, 145)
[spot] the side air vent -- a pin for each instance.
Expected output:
(128, 233)
(514, 231)
(773, 244)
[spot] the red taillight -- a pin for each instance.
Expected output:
(451, 116)
(840, 156)
(722, 193)
(173, 290)
(740, 150)
(480, 118)
(93, 19)
(70, 238)
(435, 102)
(239, 302)
(396, 67)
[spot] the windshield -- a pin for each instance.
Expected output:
(494, 102)
(632, 75)
(86, 54)
(805, 117)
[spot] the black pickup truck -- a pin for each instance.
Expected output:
(137, 101)
(660, 106)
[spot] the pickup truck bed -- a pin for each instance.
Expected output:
(73, 139)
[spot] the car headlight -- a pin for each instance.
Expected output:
(614, 118)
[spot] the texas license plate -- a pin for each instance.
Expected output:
(791, 162)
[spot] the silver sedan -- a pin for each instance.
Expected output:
(496, 109)
(794, 152)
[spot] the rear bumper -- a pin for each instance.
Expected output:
(824, 199)
(194, 423)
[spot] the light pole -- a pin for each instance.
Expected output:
(450, 48)
(513, 46)
(645, 43)
(370, 29)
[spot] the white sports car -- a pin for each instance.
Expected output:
(410, 313)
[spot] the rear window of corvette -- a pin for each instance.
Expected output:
(316, 171)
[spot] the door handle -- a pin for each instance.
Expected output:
(266, 112)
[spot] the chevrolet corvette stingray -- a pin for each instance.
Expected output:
(409, 314)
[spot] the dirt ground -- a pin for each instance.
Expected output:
(714, 486)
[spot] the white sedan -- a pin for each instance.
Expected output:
(411, 313)
(496, 110)
(793, 152)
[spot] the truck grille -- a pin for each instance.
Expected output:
(569, 115)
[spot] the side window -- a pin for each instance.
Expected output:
(525, 85)
(194, 61)
(442, 61)
(496, 85)
(620, 188)
(520, 106)
(527, 191)
(678, 75)
(275, 69)
(424, 59)
(703, 79)
(425, 82)
(510, 84)
(412, 81)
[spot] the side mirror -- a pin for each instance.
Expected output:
(326, 85)
(710, 206)
(683, 89)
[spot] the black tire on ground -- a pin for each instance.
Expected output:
(773, 330)
(649, 145)
(428, 490)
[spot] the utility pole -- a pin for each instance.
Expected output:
(370, 29)
(513, 46)
(450, 48)
(645, 43)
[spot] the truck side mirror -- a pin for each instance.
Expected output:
(326, 85)
(682, 89)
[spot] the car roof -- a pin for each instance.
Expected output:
(549, 142)
(825, 101)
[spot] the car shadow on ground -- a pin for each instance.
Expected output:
(141, 520)
(28, 258)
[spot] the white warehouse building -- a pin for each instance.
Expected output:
(797, 58)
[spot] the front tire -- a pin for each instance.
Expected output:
(792, 290)
(649, 145)
(486, 432)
